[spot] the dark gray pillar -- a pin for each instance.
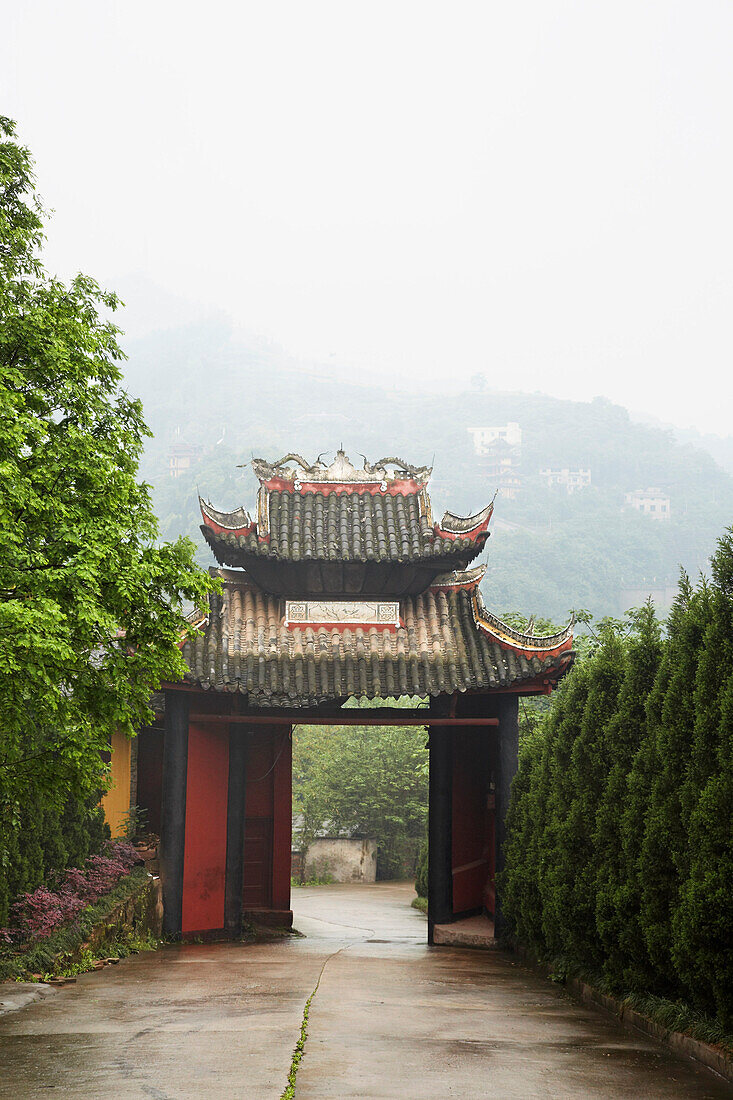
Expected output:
(236, 813)
(507, 752)
(173, 809)
(440, 829)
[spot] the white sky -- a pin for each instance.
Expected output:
(542, 192)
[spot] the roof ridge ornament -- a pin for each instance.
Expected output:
(340, 471)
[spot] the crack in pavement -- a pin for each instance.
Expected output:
(299, 1051)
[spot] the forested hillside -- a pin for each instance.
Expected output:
(224, 401)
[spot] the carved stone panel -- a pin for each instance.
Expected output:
(348, 612)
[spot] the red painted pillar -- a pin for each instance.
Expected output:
(204, 861)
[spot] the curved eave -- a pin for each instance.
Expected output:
(544, 647)
(460, 578)
(471, 527)
(238, 522)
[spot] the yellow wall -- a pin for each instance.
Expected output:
(116, 802)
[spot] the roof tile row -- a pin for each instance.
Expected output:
(246, 647)
(343, 527)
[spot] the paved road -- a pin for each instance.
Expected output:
(390, 1018)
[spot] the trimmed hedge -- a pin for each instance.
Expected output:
(619, 859)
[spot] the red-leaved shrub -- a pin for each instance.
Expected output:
(36, 915)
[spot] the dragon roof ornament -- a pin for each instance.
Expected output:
(340, 471)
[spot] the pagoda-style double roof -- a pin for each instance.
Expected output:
(286, 653)
(346, 586)
(338, 529)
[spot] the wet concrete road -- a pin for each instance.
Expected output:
(390, 1018)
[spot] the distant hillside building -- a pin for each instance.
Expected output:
(499, 450)
(571, 480)
(501, 470)
(484, 439)
(181, 457)
(650, 502)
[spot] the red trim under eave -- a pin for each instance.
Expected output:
(395, 487)
(473, 533)
(543, 654)
(543, 684)
(219, 530)
(477, 535)
(342, 627)
(468, 586)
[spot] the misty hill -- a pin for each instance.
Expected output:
(219, 402)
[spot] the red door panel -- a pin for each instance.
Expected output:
(257, 884)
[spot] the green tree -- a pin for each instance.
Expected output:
(91, 609)
(585, 780)
(617, 884)
(702, 918)
(555, 859)
(368, 781)
(671, 721)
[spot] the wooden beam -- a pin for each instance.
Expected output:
(348, 718)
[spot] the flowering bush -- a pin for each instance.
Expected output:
(36, 915)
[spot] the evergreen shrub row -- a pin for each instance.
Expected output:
(47, 823)
(619, 859)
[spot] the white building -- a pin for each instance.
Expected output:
(650, 502)
(486, 438)
(571, 480)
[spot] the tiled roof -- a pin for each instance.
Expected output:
(346, 527)
(337, 513)
(440, 647)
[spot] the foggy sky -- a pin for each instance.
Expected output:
(538, 191)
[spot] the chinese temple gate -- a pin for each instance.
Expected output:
(341, 585)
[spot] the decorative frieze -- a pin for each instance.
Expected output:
(342, 612)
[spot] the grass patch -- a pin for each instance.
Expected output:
(678, 1016)
(49, 956)
(420, 903)
(289, 1092)
(121, 948)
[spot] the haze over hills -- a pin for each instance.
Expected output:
(219, 401)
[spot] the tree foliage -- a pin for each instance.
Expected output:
(620, 851)
(90, 606)
(367, 781)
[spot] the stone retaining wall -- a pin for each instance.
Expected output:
(684, 1046)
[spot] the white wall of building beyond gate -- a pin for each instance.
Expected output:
(343, 859)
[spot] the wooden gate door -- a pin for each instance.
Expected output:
(257, 871)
